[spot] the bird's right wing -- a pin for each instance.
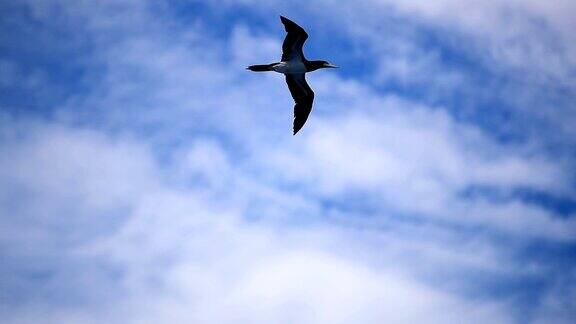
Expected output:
(303, 98)
(294, 41)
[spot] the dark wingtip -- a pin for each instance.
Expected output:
(296, 129)
(285, 20)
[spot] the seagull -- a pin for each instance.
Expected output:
(294, 66)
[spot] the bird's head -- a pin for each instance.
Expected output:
(315, 65)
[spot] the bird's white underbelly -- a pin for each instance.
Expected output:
(290, 67)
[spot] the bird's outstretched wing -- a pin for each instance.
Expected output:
(294, 41)
(303, 98)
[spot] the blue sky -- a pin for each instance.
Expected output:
(147, 177)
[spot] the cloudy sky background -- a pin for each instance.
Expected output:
(146, 177)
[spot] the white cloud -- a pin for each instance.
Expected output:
(188, 259)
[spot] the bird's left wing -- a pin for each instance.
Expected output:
(294, 41)
(303, 98)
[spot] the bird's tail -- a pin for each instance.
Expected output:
(260, 68)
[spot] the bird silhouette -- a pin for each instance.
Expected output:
(294, 66)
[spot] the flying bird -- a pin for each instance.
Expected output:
(294, 66)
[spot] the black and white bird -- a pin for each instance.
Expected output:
(295, 66)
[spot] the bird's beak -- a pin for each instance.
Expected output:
(330, 65)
